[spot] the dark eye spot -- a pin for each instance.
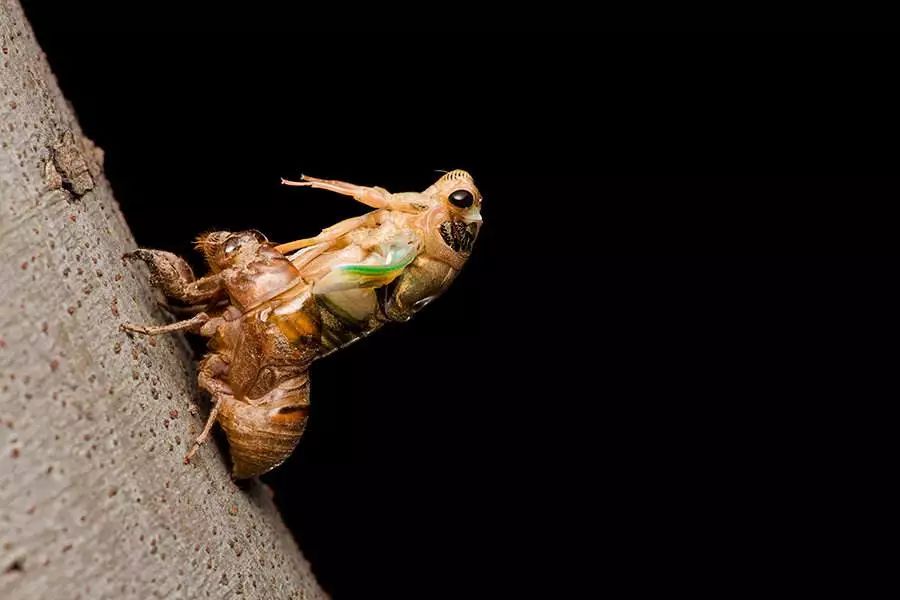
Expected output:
(462, 198)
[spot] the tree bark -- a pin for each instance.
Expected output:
(95, 501)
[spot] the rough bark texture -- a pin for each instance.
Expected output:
(94, 499)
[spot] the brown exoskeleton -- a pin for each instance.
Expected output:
(271, 310)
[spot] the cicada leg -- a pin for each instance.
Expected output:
(213, 415)
(172, 275)
(209, 378)
(194, 324)
(185, 311)
(329, 235)
(375, 197)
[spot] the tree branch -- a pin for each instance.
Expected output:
(94, 498)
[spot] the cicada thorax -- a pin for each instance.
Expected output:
(424, 280)
(266, 277)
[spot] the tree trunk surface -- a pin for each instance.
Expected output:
(95, 501)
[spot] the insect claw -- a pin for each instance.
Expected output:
(138, 254)
(190, 454)
(129, 328)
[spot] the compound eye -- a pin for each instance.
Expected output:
(462, 199)
(232, 245)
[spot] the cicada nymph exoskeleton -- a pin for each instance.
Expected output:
(271, 310)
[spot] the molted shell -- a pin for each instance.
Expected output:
(262, 436)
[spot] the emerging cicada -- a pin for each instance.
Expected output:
(271, 310)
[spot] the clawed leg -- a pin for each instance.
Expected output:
(375, 197)
(174, 277)
(212, 369)
(213, 414)
(194, 324)
(328, 235)
(179, 311)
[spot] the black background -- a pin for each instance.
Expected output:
(663, 366)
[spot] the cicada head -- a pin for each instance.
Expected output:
(455, 217)
(225, 249)
(257, 271)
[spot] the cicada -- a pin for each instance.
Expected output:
(270, 310)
